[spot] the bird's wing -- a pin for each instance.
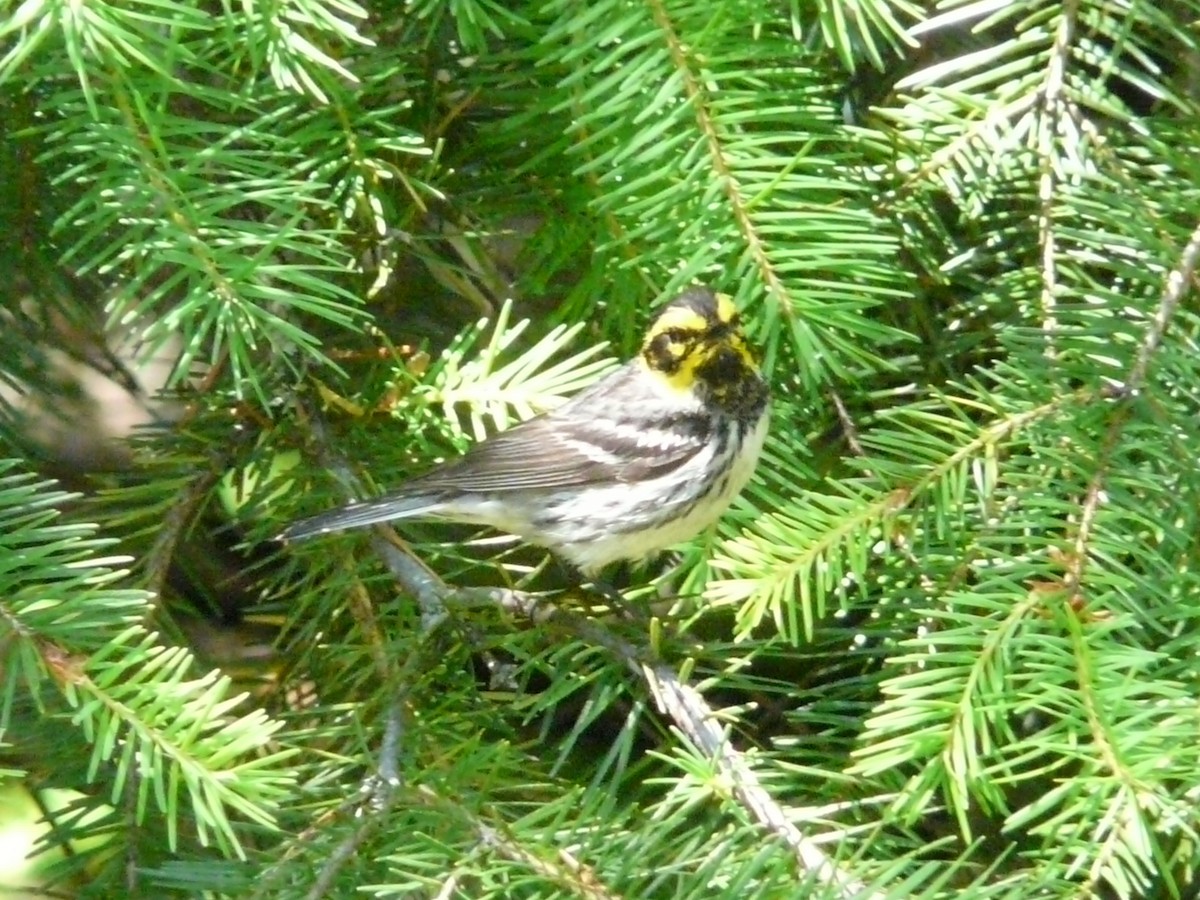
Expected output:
(556, 451)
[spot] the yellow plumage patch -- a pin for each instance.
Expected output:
(685, 339)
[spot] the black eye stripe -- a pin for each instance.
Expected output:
(713, 329)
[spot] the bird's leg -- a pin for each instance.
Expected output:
(604, 587)
(596, 586)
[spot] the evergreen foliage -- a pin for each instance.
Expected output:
(945, 644)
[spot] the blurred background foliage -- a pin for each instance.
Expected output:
(262, 255)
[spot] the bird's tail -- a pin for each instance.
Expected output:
(356, 515)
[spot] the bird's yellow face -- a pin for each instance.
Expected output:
(698, 340)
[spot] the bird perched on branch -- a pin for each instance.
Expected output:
(645, 458)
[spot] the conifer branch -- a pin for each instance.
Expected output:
(378, 796)
(1178, 281)
(1053, 112)
(700, 102)
(157, 561)
(695, 718)
(568, 872)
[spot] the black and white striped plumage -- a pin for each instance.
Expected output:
(645, 458)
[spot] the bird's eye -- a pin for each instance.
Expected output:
(720, 330)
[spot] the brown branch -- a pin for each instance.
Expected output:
(849, 429)
(688, 709)
(1177, 284)
(698, 96)
(1053, 108)
(158, 558)
(568, 871)
(377, 798)
(1178, 280)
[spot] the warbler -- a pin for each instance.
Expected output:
(643, 459)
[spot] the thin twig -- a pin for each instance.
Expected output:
(686, 707)
(541, 611)
(372, 803)
(414, 575)
(266, 886)
(849, 429)
(1177, 284)
(1053, 110)
(567, 871)
(380, 795)
(684, 704)
(158, 559)
(393, 740)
